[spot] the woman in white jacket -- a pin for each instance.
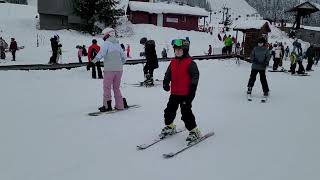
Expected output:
(114, 59)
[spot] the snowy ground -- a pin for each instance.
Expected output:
(45, 132)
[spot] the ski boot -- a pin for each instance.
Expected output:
(266, 94)
(194, 135)
(125, 104)
(249, 90)
(168, 130)
(104, 109)
(149, 83)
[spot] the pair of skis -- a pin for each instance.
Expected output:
(173, 154)
(288, 72)
(264, 99)
(156, 82)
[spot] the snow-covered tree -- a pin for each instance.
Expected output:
(103, 11)
(200, 3)
(276, 10)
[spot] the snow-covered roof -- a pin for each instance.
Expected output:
(306, 5)
(252, 24)
(164, 8)
(316, 5)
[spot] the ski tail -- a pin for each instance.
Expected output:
(192, 144)
(157, 140)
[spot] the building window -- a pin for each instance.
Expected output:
(172, 20)
(184, 19)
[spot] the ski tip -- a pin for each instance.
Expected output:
(167, 156)
(93, 114)
(141, 147)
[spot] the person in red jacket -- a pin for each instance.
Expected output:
(92, 52)
(181, 78)
(13, 48)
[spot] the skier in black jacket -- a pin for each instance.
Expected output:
(152, 60)
(54, 46)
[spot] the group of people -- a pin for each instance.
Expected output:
(280, 53)
(262, 54)
(181, 78)
(12, 48)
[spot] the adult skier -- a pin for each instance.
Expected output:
(13, 48)
(260, 57)
(114, 59)
(152, 60)
(181, 78)
(228, 44)
(310, 53)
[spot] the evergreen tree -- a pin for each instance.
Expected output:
(98, 10)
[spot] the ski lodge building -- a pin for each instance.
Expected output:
(162, 14)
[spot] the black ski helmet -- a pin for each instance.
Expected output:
(143, 40)
(262, 40)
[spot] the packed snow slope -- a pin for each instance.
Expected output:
(237, 7)
(45, 132)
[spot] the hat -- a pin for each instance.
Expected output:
(262, 40)
(108, 32)
(143, 40)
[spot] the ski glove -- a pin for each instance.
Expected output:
(192, 92)
(166, 87)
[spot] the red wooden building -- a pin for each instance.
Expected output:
(181, 17)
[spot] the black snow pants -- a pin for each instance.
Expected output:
(186, 112)
(94, 72)
(148, 71)
(301, 68)
(13, 52)
(293, 68)
(263, 79)
(310, 63)
(276, 63)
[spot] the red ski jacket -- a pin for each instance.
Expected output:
(93, 46)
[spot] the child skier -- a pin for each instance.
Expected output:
(152, 60)
(92, 53)
(210, 50)
(181, 78)
(293, 59)
(80, 53)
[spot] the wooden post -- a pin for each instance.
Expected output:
(243, 41)
(235, 47)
